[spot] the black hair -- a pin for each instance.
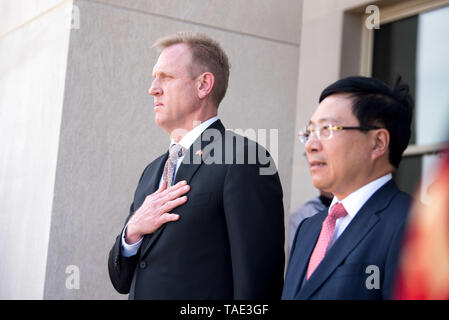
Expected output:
(374, 103)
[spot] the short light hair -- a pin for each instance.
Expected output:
(207, 56)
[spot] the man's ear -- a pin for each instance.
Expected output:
(205, 83)
(381, 143)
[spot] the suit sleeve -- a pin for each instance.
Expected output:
(121, 269)
(254, 215)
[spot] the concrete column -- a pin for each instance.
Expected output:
(34, 38)
(320, 65)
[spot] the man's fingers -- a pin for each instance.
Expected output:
(176, 193)
(157, 194)
(162, 187)
(164, 192)
(177, 186)
(169, 205)
(168, 217)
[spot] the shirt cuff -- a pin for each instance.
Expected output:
(129, 250)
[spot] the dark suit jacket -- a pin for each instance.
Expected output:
(373, 238)
(229, 240)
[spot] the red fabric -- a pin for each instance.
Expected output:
(424, 265)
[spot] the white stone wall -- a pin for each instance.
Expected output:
(34, 38)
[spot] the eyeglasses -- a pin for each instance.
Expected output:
(326, 132)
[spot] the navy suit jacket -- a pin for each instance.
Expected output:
(368, 248)
(229, 240)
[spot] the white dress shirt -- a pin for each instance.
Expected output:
(129, 250)
(354, 202)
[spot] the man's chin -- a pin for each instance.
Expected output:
(158, 119)
(318, 183)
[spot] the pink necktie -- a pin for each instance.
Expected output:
(337, 211)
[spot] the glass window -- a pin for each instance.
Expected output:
(417, 48)
(432, 77)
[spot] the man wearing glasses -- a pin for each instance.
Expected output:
(354, 141)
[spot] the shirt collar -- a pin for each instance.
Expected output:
(354, 202)
(193, 134)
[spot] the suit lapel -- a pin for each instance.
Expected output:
(155, 174)
(302, 252)
(362, 223)
(198, 152)
(153, 185)
(189, 166)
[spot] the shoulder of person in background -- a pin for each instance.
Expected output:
(308, 209)
(313, 206)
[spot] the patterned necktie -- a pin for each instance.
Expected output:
(176, 151)
(337, 211)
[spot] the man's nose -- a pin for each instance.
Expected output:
(155, 90)
(313, 143)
